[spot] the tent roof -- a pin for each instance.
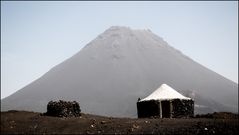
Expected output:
(165, 92)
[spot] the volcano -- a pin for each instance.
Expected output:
(119, 66)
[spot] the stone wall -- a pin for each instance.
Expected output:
(148, 108)
(63, 109)
(182, 108)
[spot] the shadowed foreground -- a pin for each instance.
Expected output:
(22, 122)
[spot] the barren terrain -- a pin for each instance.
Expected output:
(23, 122)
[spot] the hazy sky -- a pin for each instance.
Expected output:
(35, 36)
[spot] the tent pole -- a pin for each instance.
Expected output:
(160, 107)
(171, 108)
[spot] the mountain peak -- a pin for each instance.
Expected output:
(114, 28)
(119, 27)
(115, 69)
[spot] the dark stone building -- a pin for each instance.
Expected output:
(63, 109)
(165, 102)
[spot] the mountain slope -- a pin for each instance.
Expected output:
(109, 74)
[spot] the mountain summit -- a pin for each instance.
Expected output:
(111, 72)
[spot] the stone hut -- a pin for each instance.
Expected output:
(165, 102)
(63, 109)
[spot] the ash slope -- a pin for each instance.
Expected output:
(109, 74)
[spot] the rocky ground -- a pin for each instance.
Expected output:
(22, 122)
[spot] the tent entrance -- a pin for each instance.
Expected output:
(165, 109)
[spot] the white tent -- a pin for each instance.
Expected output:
(165, 92)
